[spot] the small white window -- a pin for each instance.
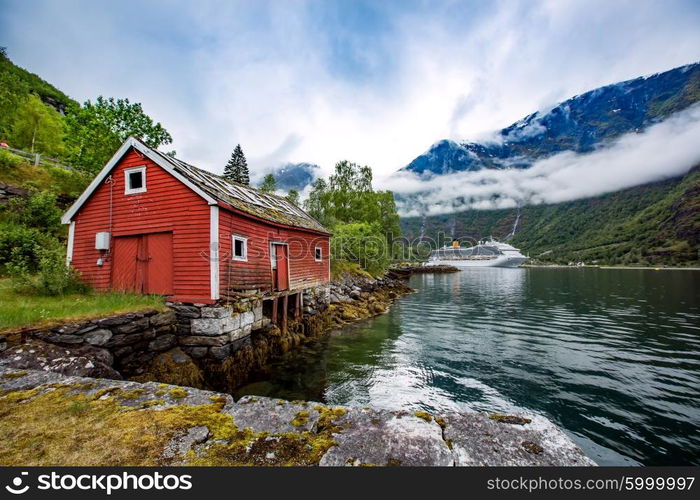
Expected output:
(135, 180)
(240, 248)
(318, 254)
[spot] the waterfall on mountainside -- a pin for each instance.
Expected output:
(515, 225)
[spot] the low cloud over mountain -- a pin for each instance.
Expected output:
(663, 150)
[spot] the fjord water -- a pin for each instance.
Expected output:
(610, 355)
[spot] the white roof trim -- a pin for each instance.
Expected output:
(156, 158)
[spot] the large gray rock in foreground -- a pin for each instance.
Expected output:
(482, 439)
(371, 437)
(353, 436)
(274, 415)
(83, 361)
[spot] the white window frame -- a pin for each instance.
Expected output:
(127, 173)
(320, 251)
(243, 258)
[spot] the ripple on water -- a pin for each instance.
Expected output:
(609, 355)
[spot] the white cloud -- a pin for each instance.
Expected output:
(257, 73)
(664, 150)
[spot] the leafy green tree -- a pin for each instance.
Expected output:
(363, 244)
(293, 196)
(269, 184)
(38, 127)
(318, 201)
(236, 169)
(15, 85)
(347, 197)
(348, 205)
(98, 129)
(12, 90)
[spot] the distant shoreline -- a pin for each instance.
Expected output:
(650, 268)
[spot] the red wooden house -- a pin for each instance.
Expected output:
(153, 224)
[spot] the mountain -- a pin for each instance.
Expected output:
(579, 124)
(653, 224)
(295, 175)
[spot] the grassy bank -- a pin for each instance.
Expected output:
(17, 172)
(18, 310)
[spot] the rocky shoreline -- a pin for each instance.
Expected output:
(51, 419)
(209, 347)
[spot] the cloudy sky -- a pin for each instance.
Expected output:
(373, 82)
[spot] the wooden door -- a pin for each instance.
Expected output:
(143, 263)
(280, 268)
(159, 269)
(124, 263)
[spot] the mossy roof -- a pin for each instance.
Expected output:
(268, 206)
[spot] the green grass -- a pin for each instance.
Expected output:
(17, 172)
(20, 310)
(341, 268)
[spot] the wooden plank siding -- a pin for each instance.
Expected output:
(167, 205)
(256, 273)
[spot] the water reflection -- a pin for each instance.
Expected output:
(610, 355)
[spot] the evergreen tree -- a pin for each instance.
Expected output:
(269, 184)
(236, 169)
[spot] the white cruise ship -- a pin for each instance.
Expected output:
(489, 253)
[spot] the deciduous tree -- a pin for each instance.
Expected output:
(269, 184)
(98, 129)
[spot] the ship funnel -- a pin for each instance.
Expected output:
(455, 243)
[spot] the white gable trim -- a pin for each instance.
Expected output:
(155, 157)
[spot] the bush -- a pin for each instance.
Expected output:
(8, 160)
(18, 246)
(39, 210)
(54, 276)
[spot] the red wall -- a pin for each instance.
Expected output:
(256, 273)
(167, 205)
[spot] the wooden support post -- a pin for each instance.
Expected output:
(275, 320)
(285, 303)
(297, 306)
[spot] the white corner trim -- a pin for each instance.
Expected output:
(146, 151)
(71, 240)
(214, 251)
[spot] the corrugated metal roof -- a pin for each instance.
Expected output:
(245, 198)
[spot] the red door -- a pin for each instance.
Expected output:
(143, 263)
(159, 268)
(281, 267)
(124, 264)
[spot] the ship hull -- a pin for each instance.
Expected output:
(500, 261)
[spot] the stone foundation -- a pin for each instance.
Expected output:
(216, 332)
(222, 344)
(128, 340)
